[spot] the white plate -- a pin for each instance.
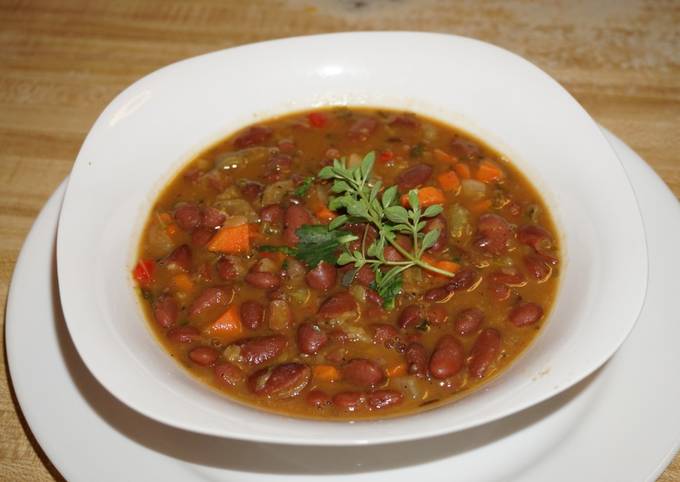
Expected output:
(619, 424)
(155, 124)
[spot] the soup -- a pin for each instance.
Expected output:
(347, 263)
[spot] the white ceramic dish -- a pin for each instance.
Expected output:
(152, 128)
(578, 435)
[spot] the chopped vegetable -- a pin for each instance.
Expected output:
(303, 187)
(481, 206)
(317, 119)
(231, 239)
(228, 326)
(397, 370)
(327, 373)
(449, 181)
(183, 282)
(444, 157)
(427, 196)
(143, 272)
(386, 156)
(317, 243)
(463, 170)
(488, 171)
(326, 215)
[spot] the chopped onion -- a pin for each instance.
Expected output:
(473, 189)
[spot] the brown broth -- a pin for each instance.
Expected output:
(411, 140)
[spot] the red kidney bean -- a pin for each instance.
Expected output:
(525, 314)
(296, 216)
(180, 257)
(209, 298)
(438, 222)
(340, 304)
(365, 276)
(322, 277)
(203, 355)
(416, 359)
(213, 218)
(511, 278)
(226, 269)
(537, 267)
(253, 136)
(251, 190)
(279, 315)
(310, 338)
(383, 332)
(188, 216)
(260, 349)
(252, 314)
(183, 334)
(228, 374)
(447, 358)
(499, 291)
(484, 352)
(383, 399)
(318, 398)
(349, 401)
(361, 230)
(405, 121)
(165, 311)
(273, 214)
(534, 236)
(263, 280)
(463, 280)
(410, 316)
(202, 236)
(413, 177)
(436, 315)
(464, 149)
(362, 372)
(391, 254)
(362, 129)
(437, 294)
(493, 234)
(468, 321)
(373, 297)
(282, 381)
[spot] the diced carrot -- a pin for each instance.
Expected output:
(397, 370)
(325, 214)
(165, 218)
(446, 265)
(228, 326)
(463, 170)
(183, 282)
(481, 206)
(386, 156)
(317, 119)
(143, 272)
(231, 239)
(449, 181)
(445, 157)
(326, 372)
(171, 229)
(488, 171)
(427, 196)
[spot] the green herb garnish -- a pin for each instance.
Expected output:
(317, 243)
(303, 187)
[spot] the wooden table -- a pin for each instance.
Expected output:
(61, 62)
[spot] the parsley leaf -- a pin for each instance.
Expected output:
(388, 287)
(303, 187)
(317, 243)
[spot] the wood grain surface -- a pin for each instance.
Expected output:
(61, 62)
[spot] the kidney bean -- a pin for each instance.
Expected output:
(188, 216)
(212, 218)
(361, 230)
(295, 217)
(484, 352)
(362, 372)
(183, 334)
(510, 278)
(405, 121)
(534, 236)
(282, 381)
(391, 254)
(263, 280)
(493, 234)
(228, 374)
(252, 314)
(373, 297)
(203, 355)
(339, 305)
(253, 136)
(436, 315)
(416, 359)
(383, 332)
(251, 190)
(365, 276)
(438, 222)
(499, 291)
(525, 314)
(410, 317)
(310, 338)
(383, 399)
(180, 258)
(362, 129)
(447, 358)
(165, 311)
(349, 401)
(209, 298)
(437, 294)
(318, 398)
(279, 315)
(464, 149)
(202, 236)
(537, 267)
(322, 277)
(273, 214)
(226, 269)
(413, 177)
(260, 349)
(468, 321)
(463, 280)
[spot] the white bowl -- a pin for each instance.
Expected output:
(162, 120)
